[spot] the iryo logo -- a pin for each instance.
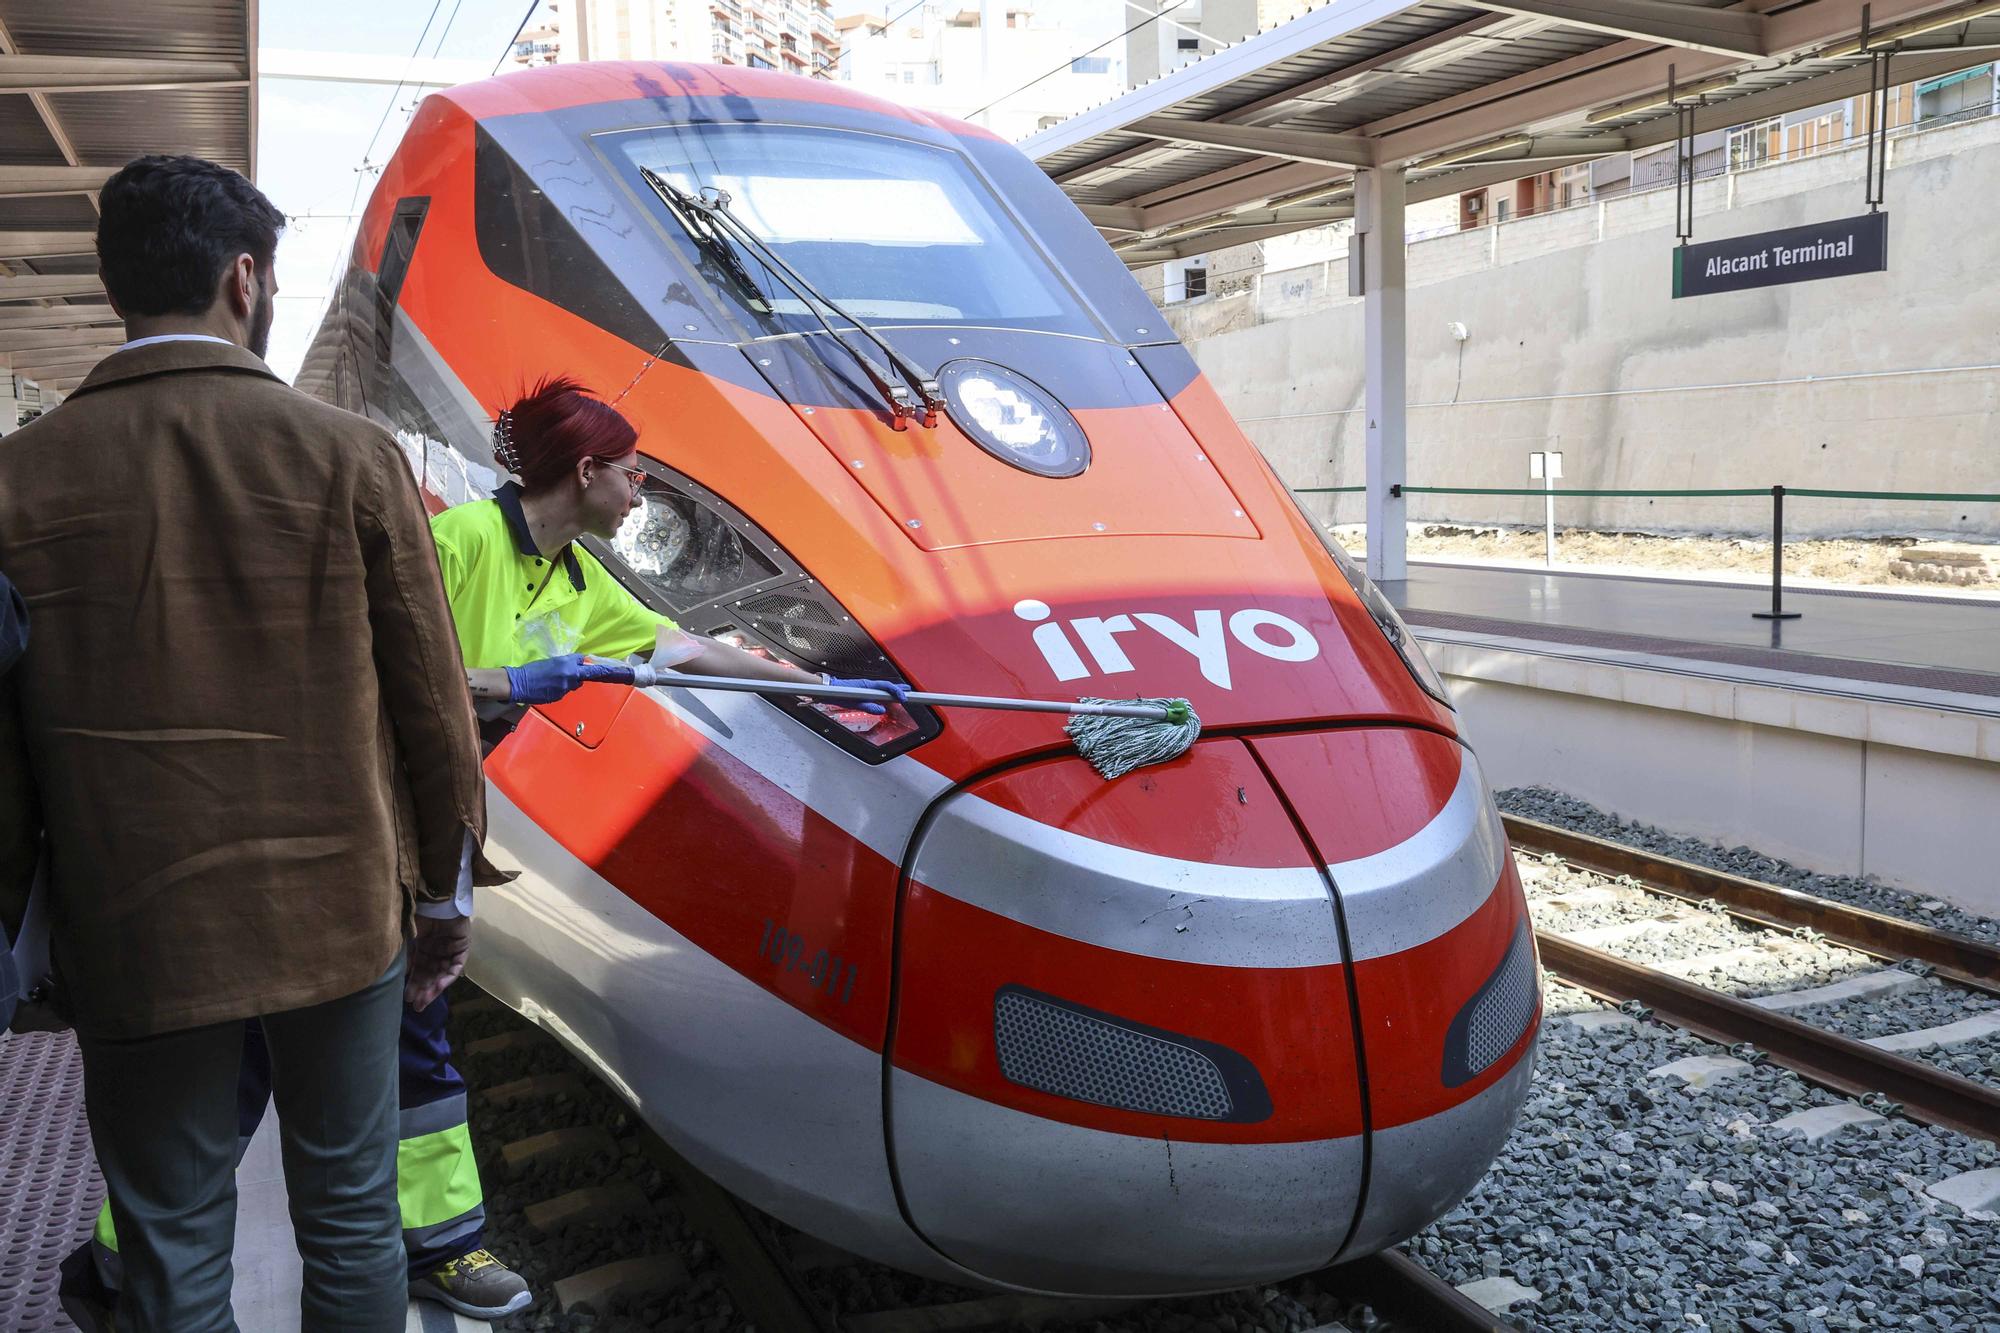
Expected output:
(1205, 640)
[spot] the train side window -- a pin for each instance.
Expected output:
(397, 249)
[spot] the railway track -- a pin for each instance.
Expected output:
(619, 1233)
(1684, 899)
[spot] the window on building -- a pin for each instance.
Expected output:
(1188, 44)
(909, 76)
(1090, 65)
(1195, 281)
(1755, 144)
(1572, 185)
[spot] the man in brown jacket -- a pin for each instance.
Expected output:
(247, 731)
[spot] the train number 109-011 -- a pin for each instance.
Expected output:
(827, 972)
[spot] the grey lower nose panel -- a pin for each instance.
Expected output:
(1061, 1208)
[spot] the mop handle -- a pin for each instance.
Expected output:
(856, 694)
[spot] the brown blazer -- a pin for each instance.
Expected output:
(242, 708)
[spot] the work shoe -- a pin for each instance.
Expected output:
(476, 1284)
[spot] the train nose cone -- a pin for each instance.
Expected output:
(1123, 1055)
(1445, 977)
(1143, 1028)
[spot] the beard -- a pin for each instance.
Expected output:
(260, 319)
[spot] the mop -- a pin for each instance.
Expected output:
(1114, 735)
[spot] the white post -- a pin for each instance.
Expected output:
(1378, 221)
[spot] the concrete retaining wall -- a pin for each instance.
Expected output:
(1879, 382)
(1900, 789)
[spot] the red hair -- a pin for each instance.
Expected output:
(556, 425)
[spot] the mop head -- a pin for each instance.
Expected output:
(1117, 745)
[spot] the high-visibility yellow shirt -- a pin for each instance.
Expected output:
(514, 605)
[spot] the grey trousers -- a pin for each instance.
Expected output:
(163, 1119)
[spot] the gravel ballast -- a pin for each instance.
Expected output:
(1631, 1202)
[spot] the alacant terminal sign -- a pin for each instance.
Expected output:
(1796, 254)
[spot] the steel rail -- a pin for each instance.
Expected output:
(1829, 1059)
(1958, 958)
(1399, 1288)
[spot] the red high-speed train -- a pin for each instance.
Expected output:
(927, 986)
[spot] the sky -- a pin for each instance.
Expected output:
(312, 135)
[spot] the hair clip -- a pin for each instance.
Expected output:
(503, 442)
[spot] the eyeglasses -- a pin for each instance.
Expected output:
(633, 475)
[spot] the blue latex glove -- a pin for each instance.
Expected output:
(550, 679)
(894, 687)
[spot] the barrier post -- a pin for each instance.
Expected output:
(1777, 611)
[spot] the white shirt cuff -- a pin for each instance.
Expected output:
(461, 898)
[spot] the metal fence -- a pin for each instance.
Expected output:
(1776, 494)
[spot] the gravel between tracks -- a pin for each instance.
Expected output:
(1912, 1010)
(1554, 807)
(1631, 1202)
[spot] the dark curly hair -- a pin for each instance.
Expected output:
(169, 226)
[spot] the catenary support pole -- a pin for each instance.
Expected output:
(1378, 221)
(1777, 611)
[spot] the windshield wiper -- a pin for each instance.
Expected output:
(701, 230)
(710, 223)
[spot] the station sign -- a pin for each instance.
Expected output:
(1795, 254)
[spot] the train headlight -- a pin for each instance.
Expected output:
(1382, 610)
(1014, 419)
(688, 553)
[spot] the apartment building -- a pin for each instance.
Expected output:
(1000, 64)
(796, 36)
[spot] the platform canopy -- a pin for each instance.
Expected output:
(1361, 106)
(85, 88)
(1265, 137)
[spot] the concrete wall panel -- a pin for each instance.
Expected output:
(1789, 793)
(1582, 345)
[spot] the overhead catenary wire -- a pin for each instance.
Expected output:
(361, 172)
(1119, 37)
(519, 28)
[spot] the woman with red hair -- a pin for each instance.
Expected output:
(537, 616)
(533, 608)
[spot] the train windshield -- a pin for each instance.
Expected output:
(896, 232)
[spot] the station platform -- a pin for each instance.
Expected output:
(50, 1190)
(1913, 639)
(1862, 738)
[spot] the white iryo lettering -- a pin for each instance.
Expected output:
(1097, 639)
(1054, 645)
(1205, 641)
(1245, 624)
(1265, 633)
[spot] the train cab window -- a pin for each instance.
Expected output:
(896, 231)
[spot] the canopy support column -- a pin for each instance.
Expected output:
(1378, 225)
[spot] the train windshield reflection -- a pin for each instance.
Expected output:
(893, 230)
